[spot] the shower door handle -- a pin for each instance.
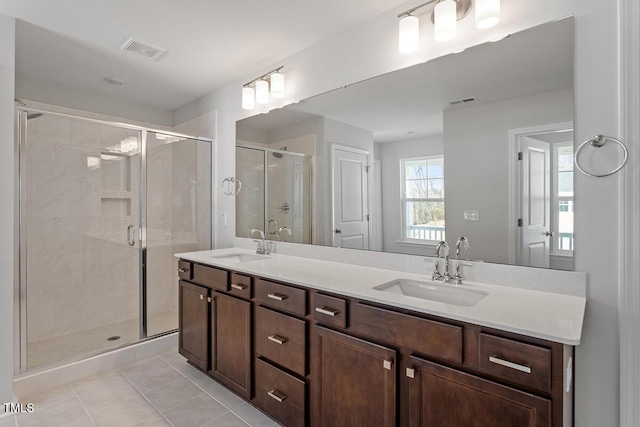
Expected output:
(130, 237)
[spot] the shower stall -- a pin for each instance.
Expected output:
(102, 209)
(276, 195)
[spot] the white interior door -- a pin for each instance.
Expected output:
(536, 202)
(350, 198)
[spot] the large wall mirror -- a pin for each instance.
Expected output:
(477, 144)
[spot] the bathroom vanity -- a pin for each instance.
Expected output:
(313, 343)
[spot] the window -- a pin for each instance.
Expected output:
(563, 199)
(423, 199)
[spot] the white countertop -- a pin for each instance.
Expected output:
(550, 316)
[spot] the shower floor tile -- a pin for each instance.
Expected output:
(56, 349)
(181, 398)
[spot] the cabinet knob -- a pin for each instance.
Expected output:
(411, 373)
(387, 364)
(182, 270)
(239, 287)
(201, 297)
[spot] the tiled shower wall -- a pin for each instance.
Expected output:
(81, 274)
(81, 195)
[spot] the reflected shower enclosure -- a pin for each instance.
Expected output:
(276, 194)
(103, 208)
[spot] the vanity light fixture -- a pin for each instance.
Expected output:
(269, 84)
(445, 15)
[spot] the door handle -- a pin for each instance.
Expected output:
(548, 233)
(337, 231)
(130, 238)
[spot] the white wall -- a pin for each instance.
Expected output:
(477, 166)
(390, 154)
(370, 49)
(7, 156)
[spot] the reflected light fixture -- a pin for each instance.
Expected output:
(445, 15)
(269, 84)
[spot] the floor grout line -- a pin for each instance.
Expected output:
(82, 404)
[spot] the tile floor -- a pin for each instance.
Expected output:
(162, 390)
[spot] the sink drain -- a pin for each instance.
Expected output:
(113, 338)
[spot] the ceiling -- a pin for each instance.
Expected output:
(76, 43)
(409, 103)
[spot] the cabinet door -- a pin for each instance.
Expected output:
(444, 397)
(194, 324)
(231, 342)
(354, 383)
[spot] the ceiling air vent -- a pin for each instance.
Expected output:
(143, 49)
(463, 101)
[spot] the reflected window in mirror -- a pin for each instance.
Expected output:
(423, 199)
(563, 198)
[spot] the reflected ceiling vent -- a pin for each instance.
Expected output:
(143, 49)
(463, 101)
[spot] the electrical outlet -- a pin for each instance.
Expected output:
(471, 215)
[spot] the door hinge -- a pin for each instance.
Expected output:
(519, 222)
(368, 217)
(520, 155)
(366, 168)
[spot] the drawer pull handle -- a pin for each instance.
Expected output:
(328, 311)
(506, 363)
(182, 270)
(276, 395)
(239, 287)
(277, 297)
(277, 339)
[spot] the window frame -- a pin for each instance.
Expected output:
(404, 201)
(555, 202)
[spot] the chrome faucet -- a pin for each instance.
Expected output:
(457, 278)
(263, 248)
(436, 274)
(280, 230)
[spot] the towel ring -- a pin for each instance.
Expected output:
(231, 186)
(598, 141)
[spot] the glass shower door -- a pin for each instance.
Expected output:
(80, 268)
(177, 219)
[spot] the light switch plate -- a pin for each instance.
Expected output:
(472, 215)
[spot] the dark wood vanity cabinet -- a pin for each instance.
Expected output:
(231, 342)
(446, 397)
(354, 382)
(215, 324)
(323, 359)
(193, 323)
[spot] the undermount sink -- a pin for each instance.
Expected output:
(440, 292)
(241, 257)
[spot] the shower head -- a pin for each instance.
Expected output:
(30, 115)
(277, 154)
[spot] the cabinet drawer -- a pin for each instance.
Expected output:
(281, 339)
(427, 337)
(280, 395)
(184, 270)
(330, 310)
(240, 285)
(210, 277)
(518, 362)
(281, 296)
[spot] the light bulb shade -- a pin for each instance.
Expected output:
(262, 92)
(445, 20)
(248, 98)
(277, 85)
(487, 13)
(409, 34)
